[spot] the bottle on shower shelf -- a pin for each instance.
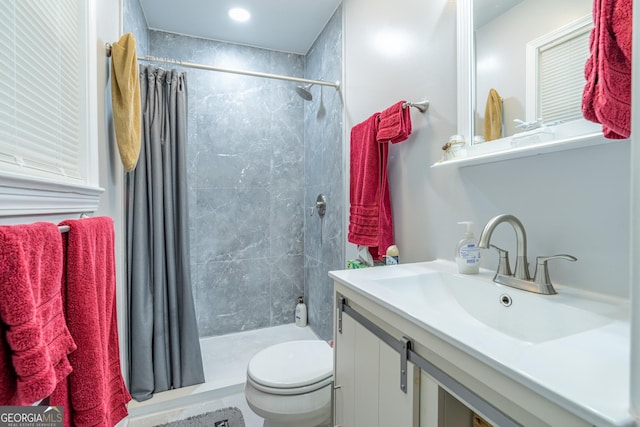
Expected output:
(301, 313)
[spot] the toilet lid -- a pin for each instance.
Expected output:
(292, 364)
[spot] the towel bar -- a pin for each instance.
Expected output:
(66, 228)
(422, 105)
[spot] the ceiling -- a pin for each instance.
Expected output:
(486, 10)
(283, 25)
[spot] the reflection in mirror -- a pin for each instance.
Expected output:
(504, 103)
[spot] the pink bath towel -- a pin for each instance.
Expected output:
(365, 178)
(607, 94)
(34, 339)
(395, 124)
(370, 219)
(95, 394)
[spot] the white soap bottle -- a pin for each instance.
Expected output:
(467, 252)
(301, 313)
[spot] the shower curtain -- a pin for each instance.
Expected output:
(164, 346)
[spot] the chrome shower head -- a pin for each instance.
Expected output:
(304, 92)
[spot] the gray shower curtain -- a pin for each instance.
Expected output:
(164, 346)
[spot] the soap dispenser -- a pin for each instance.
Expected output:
(467, 252)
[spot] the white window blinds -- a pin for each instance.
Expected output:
(42, 88)
(561, 77)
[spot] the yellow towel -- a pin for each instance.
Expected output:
(125, 98)
(493, 116)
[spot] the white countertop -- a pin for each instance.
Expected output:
(586, 373)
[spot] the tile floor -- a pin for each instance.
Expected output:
(225, 360)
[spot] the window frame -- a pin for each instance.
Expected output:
(26, 194)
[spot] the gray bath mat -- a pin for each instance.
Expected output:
(226, 417)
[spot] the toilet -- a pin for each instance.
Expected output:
(289, 384)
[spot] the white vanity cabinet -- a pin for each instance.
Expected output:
(447, 393)
(367, 381)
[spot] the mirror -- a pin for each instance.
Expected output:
(493, 48)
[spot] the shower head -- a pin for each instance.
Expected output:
(304, 92)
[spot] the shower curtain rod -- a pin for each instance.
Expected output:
(336, 85)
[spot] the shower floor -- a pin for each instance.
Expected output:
(225, 360)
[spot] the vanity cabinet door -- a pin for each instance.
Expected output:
(367, 380)
(429, 401)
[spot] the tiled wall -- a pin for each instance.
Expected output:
(133, 21)
(257, 155)
(324, 173)
(246, 175)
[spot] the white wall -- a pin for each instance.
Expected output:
(635, 229)
(574, 202)
(423, 68)
(111, 171)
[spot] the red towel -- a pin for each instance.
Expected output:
(95, 394)
(395, 124)
(34, 340)
(607, 94)
(365, 161)
(370, 219)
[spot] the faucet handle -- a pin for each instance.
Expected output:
(503, 261)
(541, 275)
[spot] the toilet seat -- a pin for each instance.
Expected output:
(293, 367)
(292, 390)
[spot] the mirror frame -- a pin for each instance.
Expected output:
(466, 86)
(466, 69)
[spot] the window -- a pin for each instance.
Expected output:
(555, 72)
(48, 128)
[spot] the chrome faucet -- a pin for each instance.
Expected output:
(522, 265)
(521, 278)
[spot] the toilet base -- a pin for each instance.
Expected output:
(271, 423)
(280, 411)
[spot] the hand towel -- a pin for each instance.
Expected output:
(370, 216)
(395, 124)
(95, 394)
(125, 98)
(607, 94)
(34, 340)
(493, 116)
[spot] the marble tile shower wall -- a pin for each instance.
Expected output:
(133, 21)
(246, 184)
(324, 173)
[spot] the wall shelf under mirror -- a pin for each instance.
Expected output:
(500, 152)
(490, 64)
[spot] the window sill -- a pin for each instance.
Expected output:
(22, 196)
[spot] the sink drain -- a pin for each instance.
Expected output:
(505, 300)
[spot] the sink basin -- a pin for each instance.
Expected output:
(465, 300)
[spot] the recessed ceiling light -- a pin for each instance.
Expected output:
(239, 14)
